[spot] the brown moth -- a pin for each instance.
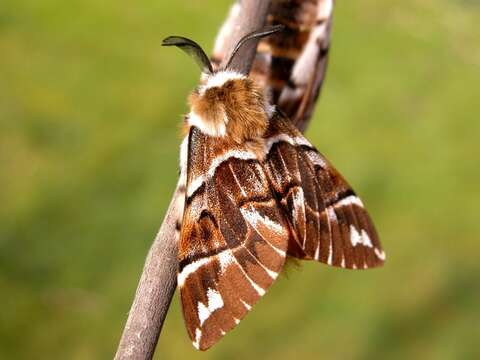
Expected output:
(256, 191)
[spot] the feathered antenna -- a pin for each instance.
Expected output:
(197, 53)
(192, 49)
(268, 30)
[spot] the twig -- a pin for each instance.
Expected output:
(155, 290)
(252, 16)
(158, 281)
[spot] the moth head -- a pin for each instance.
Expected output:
(227, 103)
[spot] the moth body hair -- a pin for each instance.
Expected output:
(231, 106)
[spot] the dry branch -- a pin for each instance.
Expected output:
(155, 291)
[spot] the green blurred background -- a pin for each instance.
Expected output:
(90, 110)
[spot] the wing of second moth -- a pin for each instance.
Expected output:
(329, 222)
(233, 240)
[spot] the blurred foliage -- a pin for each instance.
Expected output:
(90, 107)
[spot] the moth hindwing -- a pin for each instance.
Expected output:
(328, 220)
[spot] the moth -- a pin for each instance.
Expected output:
(256, 192)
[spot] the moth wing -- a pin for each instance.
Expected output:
(233, 239)
(329, 221)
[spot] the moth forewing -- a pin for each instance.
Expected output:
(234, 237)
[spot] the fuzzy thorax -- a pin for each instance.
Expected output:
(230, 105)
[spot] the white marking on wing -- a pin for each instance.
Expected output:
(257, 288)
(282, 253)
(247, 306)
(237, 154)
(366, 239)
(352, 199)
(226, 258)
(270, 273)
(198, 335)
(256, 220)
(297, 140)
(331, 214)
(316, 159)
(299, 204)
(194, 185)
(325, 10)
(330, 254)
(183, 160)
(361, 237)
(242, 190)
(190, 268)
(355, 237)
(203, 313)
(380, 254)
(331, 217)
(317, 252)
(215, 300)
(180, 203)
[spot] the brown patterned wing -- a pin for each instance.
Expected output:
(233, 240)
(291, 64)
(329, 222)
(297, 58)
